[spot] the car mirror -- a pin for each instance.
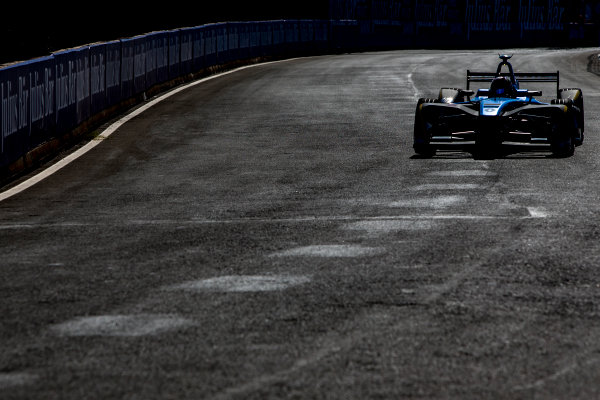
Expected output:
(534, 93)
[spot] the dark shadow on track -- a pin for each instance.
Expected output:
(505, 151)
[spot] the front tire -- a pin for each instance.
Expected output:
(422, 140)
(562, 142)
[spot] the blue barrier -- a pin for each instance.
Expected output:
(221, 32)
(66, 95)
(127, 57)
(97, 78)
(198, 49)
(151, 59)
(210, 45)
(162, 57)
(187, 50)
(139, 64)
(82, 84)
(42, 97)
(113, 73)
(14, 93)
(174, 54)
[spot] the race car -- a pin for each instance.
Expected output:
(501, 113)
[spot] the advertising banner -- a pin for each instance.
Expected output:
(292, 33)
(198, 48)
(266, 38)
(15, 115)
(127, 57)
(97, 78)
(243, 33)
(254, 40)
(42, 87)
(210, 44)
(82, 84)
(278, 28)
(222, 43)
(186, 37)
(139, 64)
(66, 90)
(174, 54)
(151, 41)
(463, 23)
(233, 40)
(113, 73)
(162, 56)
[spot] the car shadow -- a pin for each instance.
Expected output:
(504, 151)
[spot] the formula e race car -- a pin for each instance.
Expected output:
(502, 113)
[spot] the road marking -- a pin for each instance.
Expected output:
(447, 186)
(464, 172)
(411, 82)
(312, 219)
(386, 226)
(330, 251)
(537, 212)
(112, 128)
(244, 283)
(120, 325)
(429, 202)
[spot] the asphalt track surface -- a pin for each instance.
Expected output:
(270, 234)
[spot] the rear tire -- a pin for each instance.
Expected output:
(573, 98)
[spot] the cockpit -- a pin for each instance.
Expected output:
(502, 87)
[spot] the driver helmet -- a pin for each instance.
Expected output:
(501, 87)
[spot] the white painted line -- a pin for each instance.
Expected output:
(429, 202)
(316, 219)
(409, 77)
(447, 186)
(330, 251)
(111, 129)
(537, 212)
(120, 325)
(464, 172)
(386, 226)
(244, 283)
(469, 161)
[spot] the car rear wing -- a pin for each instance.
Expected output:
(550, 77)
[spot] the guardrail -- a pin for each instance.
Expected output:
(46, 99)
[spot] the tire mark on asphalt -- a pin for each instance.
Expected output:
(328, 344)
(560, 373)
